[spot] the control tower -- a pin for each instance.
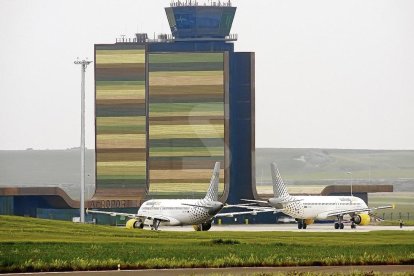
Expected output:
(168, 107)
(200, 22)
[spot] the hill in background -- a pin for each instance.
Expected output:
(47, 168)
(297, 166)
(331, 166)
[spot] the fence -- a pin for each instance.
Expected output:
(405, 216)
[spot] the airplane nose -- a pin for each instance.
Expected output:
(215, 208)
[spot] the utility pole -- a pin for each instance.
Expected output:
(352, 180)
(84, 64)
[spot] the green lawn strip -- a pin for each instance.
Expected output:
(44, 245)
(83, 256)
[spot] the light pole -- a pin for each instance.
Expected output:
(84, 64)
(351, 180)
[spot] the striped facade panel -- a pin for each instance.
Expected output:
(120, 118)
(186, 95)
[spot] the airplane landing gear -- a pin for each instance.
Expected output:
(155, 224)
(301, 224)
(339, 224)
(202, 227)
(353, 225)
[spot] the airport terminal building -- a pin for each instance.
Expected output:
(166, 109)
(169, 107)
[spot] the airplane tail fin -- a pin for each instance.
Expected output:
(279, 188)
(212, 193)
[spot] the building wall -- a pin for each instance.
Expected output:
(6, 205)
(120, 81)
(166, 112)
(186, 98)
(242, 126)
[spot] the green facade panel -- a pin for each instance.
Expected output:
(186, 111)
(120, 117)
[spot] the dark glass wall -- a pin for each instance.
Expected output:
(242, 128)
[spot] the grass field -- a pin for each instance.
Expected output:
(28, 244)
(404, 205)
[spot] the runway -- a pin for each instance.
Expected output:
(318, 227)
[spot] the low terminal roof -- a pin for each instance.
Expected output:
(56, 197)
(53, 195)
(341, 189)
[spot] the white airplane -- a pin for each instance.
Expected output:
(307, 209)
(177, 212)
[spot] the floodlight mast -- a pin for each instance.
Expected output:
(352, 180)
(84, 64)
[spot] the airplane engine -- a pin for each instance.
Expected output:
(362, 219)
(309, 221)
(203, 227)
(134, 223)
(206, 226)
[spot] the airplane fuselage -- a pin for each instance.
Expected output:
(179, 211)
(316, 207)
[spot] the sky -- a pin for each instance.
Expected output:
(329, 74)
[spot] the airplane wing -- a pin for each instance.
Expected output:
(260, 208)
(159, 217)
(238, 205)
(356, 210)
(252, 212)
(256, 201)
(281, 200)
(383, 207)
(195, 205)
(225, 206)
(113, 214)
